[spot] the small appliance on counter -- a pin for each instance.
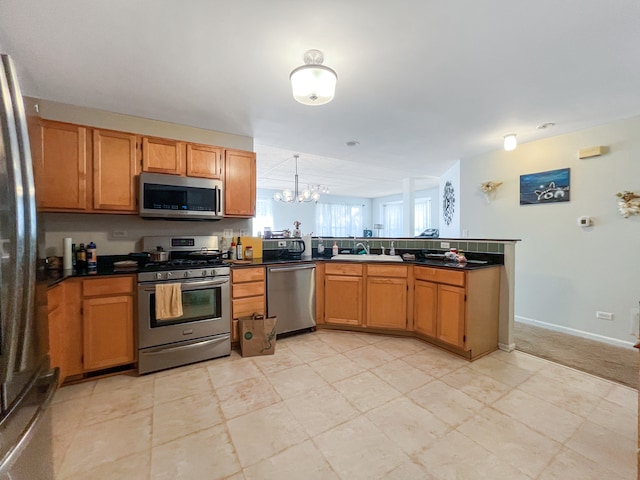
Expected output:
(293, 251)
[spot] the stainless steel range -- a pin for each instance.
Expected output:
(203, 331)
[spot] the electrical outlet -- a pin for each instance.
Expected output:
(119, 234)
(604, 315)
(444, 244)
(282, 243)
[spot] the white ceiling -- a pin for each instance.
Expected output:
(421, 83)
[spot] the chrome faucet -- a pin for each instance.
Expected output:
(365, 247)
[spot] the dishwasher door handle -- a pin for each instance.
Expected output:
(291, 269)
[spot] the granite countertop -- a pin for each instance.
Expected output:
(52, 277)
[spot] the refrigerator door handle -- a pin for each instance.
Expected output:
(14, 281)
(29, 205)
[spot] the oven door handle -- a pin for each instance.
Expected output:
(163, 350)
(150, 287)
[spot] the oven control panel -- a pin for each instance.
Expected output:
(176, 275)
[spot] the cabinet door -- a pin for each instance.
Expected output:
(343, 300)
(61, 166)
(72, 338)
(108, 332)
(115, 166)
(451, 315)
(239, 184)
(55, 320)
(204, 161)
(387, 302)
(425, 307)
(160, 155)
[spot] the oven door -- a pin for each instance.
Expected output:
(206, 312)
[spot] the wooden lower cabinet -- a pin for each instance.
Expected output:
(425, 312)
(343, 290)
(92, 328)
(248, 295)
(458, 308)
(387, 296)
(108, 331)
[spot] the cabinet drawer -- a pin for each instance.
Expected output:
(399, 271)
(343, 269)
(250, 289)
(247, 274)
(107, 286)
(244, 307)
(440, 275)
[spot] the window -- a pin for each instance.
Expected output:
(422, 215)
(392, 219)
(338, 220)
(264, 215)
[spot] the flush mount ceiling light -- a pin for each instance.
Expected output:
(510, 142)
(313, 83)
(310, 194)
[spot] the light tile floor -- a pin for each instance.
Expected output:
(341, 405)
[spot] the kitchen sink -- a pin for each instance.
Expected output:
(367, 258)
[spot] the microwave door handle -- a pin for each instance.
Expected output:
(219, 204)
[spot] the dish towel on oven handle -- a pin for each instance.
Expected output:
(168, 301)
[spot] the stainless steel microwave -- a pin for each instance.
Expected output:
(180, 198)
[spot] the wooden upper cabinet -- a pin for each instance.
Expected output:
(60, 156)
(115, 170)
(204, 161)
(239, 184)
(160, 155)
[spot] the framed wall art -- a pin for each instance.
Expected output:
(545, 187)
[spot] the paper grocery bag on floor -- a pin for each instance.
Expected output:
(257, 335)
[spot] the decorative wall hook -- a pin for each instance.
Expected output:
(629, 203)
(489, 189)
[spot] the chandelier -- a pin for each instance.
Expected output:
(309, 194)
(313, 83)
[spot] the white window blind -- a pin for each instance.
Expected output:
(264, 215)
(338, 220)
(392, 219)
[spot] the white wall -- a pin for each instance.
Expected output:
(565, 273)
(451, 176)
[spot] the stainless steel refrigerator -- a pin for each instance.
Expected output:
(27, 383)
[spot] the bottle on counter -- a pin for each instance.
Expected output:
(232, 251)
(248, 253)
(92, 256)
(81, 257)
(335, 250)
(320, 246)
(74, 255)
(239, 249)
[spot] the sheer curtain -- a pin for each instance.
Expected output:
(422, 212)
(338, 220)
(264, 215)
(392, 219)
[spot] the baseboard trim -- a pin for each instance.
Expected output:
(577, 333)
(507, 347)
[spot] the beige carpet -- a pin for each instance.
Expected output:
(607, 361)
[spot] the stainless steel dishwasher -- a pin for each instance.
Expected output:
(291, 296)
